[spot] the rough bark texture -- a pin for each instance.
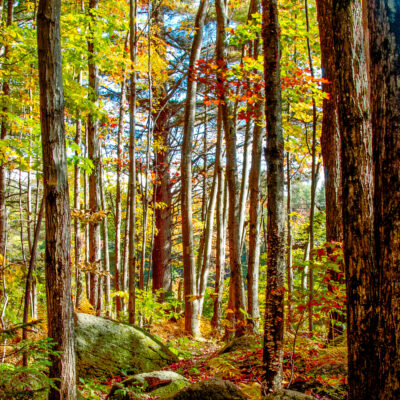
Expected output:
(162, 278)
(56, 197)
(255, 207)
(117, 243)
(94, 156)
(356, 153)
(192, 322)
(234, 233)
(77, 223)
(208, 234)
(330, 137)
(289, 259)
(384, 22)
(132, 163)
(221, 235)
(274, 314)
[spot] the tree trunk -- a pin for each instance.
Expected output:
(106, 276)
(231, 172)
(289, 262)
(384, 21)
(208, 234)
(29, 279)
(3, 133)
(86, 203)
(77, 206)
(314, 179)
(117, 243)
(192, 321)
(95, 156)
(221, 207)
(351, 84)
(255, 207)
(274, 308)
(330, 137)
(132, 162)
(162, 278)
(56, 197)
(125, 253)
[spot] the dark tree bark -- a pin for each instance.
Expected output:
(330, 137)
(274, 313)
(162, 278)
(56, 197)
(351, 83)
(384, 22)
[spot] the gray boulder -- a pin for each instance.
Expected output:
(212, 389)
(158, 383)
(107, 348)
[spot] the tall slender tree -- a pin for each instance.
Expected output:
(94, 154)
(56, 198)
(132, 162)
(255, 207)
(192, 320)
(274, 312)
(234, 233)
(3, 132)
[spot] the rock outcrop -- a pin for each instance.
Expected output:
(107, 348)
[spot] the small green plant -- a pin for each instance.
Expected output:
(32, 381)
(91, 389)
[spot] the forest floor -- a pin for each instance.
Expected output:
(310, 366)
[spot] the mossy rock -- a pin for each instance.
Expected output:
(211, 389)
(107, 348)
(241, 343)
(157, 383)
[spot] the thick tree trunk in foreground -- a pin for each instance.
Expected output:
(356, 153)
(192, 321)
(274, 313)
(330, 137)
(58, 220)
(384, 21)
